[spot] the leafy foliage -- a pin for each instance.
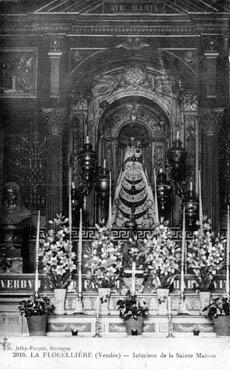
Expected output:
(35, 305)
(218, 307)
(130, 307)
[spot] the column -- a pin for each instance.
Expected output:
(1, 151)
(210, 123)
(56, 119)
(55, 58)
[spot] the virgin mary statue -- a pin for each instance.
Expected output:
(133, 196)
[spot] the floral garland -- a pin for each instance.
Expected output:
(205, 255)
(105, 262)
(161, 257)
(57, 255)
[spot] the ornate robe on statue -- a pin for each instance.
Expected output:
(133, 193)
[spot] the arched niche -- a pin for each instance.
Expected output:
(141, 119)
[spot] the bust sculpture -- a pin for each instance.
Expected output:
(12, 208)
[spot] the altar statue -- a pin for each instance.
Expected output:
(12, 210)
(133, 195)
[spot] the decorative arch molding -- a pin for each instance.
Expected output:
(169, 106)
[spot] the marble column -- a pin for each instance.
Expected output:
(56, 119)
(210, 123)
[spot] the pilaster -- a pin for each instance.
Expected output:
(55, 59)
(56, 118)
(210, 123)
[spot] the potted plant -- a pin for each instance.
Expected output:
(58, 259)
(133, 313)
(161, 261)
(219, 312)
(205, 258)
(35, 309)
(104, 264)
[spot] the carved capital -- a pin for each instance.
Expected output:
(210, 121)
(56, 119)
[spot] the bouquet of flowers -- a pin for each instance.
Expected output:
(35, 305)
(57, 255)
(219, 306)
(161, 257)
(105, 262)
(205, 255)
(130, 307)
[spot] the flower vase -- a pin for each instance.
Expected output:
(162, 295)
(104, 295)
(37, 325)
(59, 300)
(204, 300)
(222, 325)
(133, 326)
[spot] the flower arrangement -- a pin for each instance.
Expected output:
(105, 261)
(35, 305)
(219, 306)
(131, 308)
(57, 255)
(205, 255)
(161, 257)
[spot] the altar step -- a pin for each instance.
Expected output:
(113, 326)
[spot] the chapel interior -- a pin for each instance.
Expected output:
(87, 90)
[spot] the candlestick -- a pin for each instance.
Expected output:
(183, 253)
(227, 251)
(156, 202)
(70, 204)
(87, 140)
(200, 201)
(36, 285)
(104, 163)
(178, 135)
(110, 200)
(80, 255)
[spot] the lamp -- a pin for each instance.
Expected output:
(163, 193)
(177, 159)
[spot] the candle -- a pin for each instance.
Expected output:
(200, 201)
(97, 306)
(169, 304)
(133, 287)
(104, 163)
(70, 205)
(227, 252)
(87, 140)
(156, 203)
(36, 254)
(80, 254)
(178, 135)
(183, 253)
(190, 186)
(110, 200)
